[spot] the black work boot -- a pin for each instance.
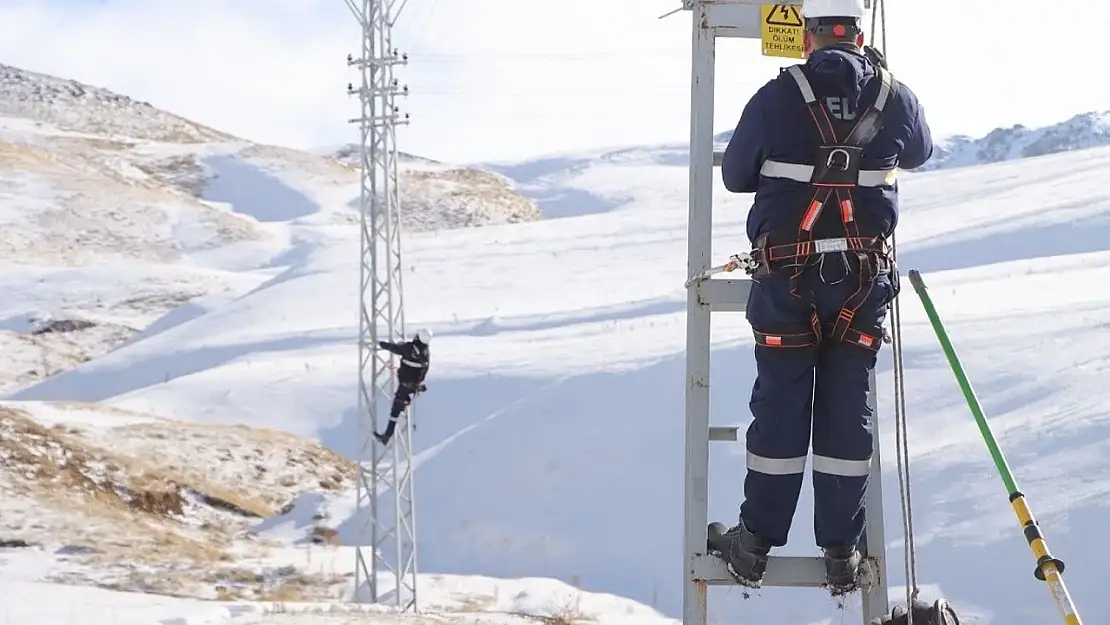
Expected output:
(842, 569)
(744, 553)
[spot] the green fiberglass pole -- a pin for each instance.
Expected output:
(1049, 569)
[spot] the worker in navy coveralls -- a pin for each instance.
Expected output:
(415, 360)
(818, 146)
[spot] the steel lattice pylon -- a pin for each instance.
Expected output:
(388, 532)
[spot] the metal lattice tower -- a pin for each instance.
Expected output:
(737, 19)
(387, 531)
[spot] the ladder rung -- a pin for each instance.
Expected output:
(729, 434)
(784, 571)
(717, 158)
(728, 295)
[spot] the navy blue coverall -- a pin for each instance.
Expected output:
(415, 360)
(821, 388)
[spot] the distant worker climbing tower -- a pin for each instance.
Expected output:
(824, 209)
(415, 361)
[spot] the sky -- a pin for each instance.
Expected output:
(510, 80)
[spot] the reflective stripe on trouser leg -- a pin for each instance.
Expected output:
(841, 467)
(842, 443)
(777, 440)
(777, 466)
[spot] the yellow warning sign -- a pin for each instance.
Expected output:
(781, 30)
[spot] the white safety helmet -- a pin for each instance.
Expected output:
(813, 9)
(424, 336)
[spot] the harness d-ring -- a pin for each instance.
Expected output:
(840, 166)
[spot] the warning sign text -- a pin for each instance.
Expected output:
(782, 31)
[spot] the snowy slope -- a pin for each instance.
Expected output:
(579, 183)
(551, 439)
(50, 121)
(78, 107)
(114, 212)
(472, 195)
(1087, 130)
(108, 514)
(445, 600)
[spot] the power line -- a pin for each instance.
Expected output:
(422, 19)
(563, 57)
(549, 94)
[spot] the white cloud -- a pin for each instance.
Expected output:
(498, 80)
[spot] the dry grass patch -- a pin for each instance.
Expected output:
(156, 490)
(145, 509)
(160, 506)
(23, 156)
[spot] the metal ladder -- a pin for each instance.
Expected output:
(737, 19)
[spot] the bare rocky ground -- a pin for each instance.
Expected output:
(137, 502)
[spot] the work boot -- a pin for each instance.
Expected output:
(936, 613)
(381, 439)
(744, 553)
(842, 569)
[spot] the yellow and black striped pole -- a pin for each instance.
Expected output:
(1049, 569)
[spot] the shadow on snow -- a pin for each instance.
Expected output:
(586, 480)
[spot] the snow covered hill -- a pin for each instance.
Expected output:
(578, 183)
(476, 195)
(101, 133)
(97, 503)
(1088, 130)
(550, 441)
(91, 180)
(77, 107)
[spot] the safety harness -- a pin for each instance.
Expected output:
(836, 173)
